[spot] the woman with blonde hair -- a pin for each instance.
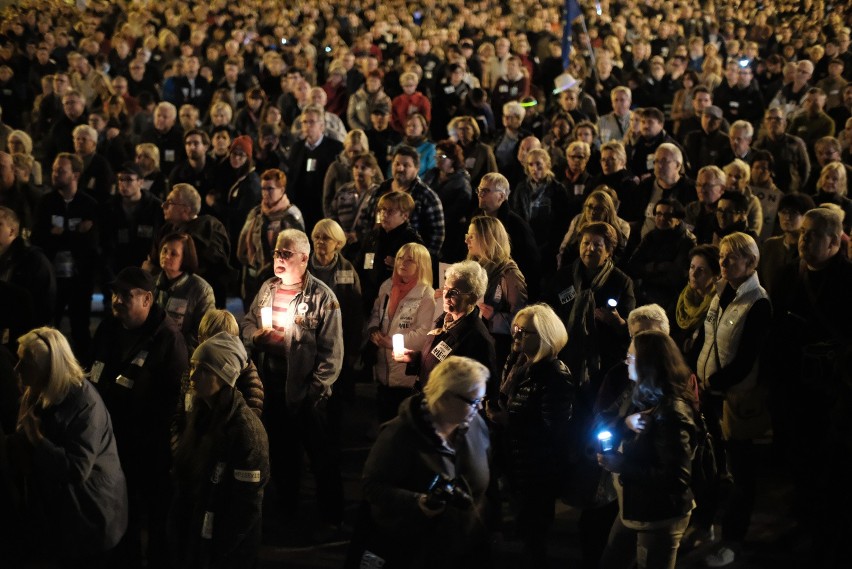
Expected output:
(506, 293)
(535, 406)
(65, 450)
(19, 142)
(601, 205)
(148, 159)
(405, 305)
(738, 177)
(832, 188)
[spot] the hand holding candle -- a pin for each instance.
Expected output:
(266, 317)
(398, 345)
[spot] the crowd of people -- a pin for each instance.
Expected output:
(651, 242)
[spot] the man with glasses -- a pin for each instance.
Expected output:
(732, 216)
(181, 214)
(701, 214)
(294, 324)
(310, 158)
(792, 164)
(131, 219)
(139, 358)
(744, 100)
(50, 107)
(668, 182)
(493, 200)
(66, 229)
(60, 138)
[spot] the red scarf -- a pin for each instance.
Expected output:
(398, 291)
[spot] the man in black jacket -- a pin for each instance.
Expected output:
(139, 359)
(26, 267)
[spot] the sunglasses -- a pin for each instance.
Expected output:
(472, 402)
(283, 254)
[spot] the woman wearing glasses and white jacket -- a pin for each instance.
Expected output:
(405, 305)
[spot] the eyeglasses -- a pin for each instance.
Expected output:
(726, 212)
(522, 332)
(168, 203)
(283, 254)
(454, 292)
(483, 191)
(387, 211)
(472, 402)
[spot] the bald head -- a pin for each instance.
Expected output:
(527, 144)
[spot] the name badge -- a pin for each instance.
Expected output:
(74, 223)
(369, 259)
(441, 351)
(735, 105)
(169, 155)
(579, 189)
(207, 526)
(145, 231)
(344, 277)
(302, 308)
(124, 381)
(449, 89)
(649, 162)
(649, 211)
(91, 184)
(57, 221)
(312, 165)
(218, 471)
(187, 401)
(504, 88)
(469, 162)
(140, 358)
(247, 475)
(95, 374)
(567, 295)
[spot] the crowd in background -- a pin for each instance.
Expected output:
(653, 240)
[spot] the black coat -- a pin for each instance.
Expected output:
(127, 241)
(455, 194)
(305, 187)
(381, 244)
(657, 469)
(661, 264)
(28, 268)
(549, 213)
(221, 469)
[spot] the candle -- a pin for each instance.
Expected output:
(266, 317)
(398, 345)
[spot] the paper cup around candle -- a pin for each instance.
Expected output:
(266, 317)
(398, 345)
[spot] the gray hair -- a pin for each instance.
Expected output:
(652, 316)
(297, 238)
(315, 109)
(86, 131)
(187, 193)
(501, 184)
(828, 222)
(471, 273)
(744, 126)
(514, 108)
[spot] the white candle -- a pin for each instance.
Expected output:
(398, 345)
(266, 317)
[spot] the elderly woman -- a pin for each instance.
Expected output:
(600, 205)
(438, 440)
(654, 435)
(405, 306)
(460, 330)
(735, 331)
(738, 177)
(328, 265)
(340, 172)
(593, 298)
(537, 396)
(417, 136)
(221, 464)
(544, 203)
(832, 188)
(614, 172)
(488, 244)
(451, 181)
(19, 142)
(263, 223)
(148, 159)
(575, 178)
(351, 199)
(65, 449)
(478, 157)
(184, 295)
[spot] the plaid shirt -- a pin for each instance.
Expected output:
(427, 218)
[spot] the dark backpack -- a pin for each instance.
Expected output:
(705, 472)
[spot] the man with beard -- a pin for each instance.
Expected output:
(195, 170)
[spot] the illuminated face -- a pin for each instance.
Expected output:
(593, 251)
